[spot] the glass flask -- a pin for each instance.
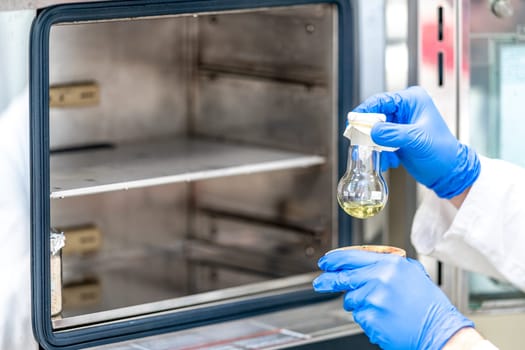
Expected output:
(362, 192)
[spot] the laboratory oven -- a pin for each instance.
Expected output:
(184, 159)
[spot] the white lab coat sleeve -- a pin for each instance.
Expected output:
(15, 297)
(487, 233)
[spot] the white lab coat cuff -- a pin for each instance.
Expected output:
(483, 235)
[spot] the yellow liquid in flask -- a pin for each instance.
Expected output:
(362, 210)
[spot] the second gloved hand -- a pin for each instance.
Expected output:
(392, 299)
(427, 149)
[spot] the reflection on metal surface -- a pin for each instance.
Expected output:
(502, 8)
(397, 43)
(505, 304)
(295, 227)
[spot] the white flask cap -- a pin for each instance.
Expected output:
(359, 127)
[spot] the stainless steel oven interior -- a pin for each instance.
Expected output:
(193, 158)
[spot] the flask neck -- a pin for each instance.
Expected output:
(366, 159)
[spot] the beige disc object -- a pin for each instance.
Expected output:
(384, 249)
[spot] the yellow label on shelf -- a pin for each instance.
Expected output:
(82, 240)
(74, 95)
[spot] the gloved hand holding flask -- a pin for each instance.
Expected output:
(427, 148)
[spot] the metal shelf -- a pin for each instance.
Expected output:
(133, 280)
(157, 163)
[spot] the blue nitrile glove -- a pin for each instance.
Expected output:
(427, 148)
(392, 299)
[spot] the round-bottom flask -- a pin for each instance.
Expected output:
(362, 192)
